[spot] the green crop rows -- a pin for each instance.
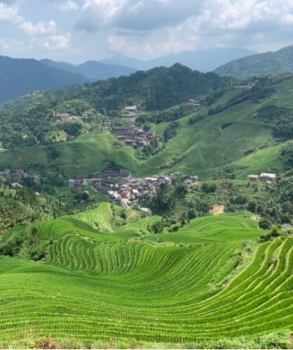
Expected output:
(173, 288)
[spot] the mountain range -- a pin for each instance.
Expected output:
(204, 61)
(20, 76)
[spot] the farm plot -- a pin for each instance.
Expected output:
(101, 286)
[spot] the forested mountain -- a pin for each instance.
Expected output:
(260, 64)
(30, 121)
(20, 76)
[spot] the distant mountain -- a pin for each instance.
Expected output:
(125, 61)
(203, 61)
(92, 70)
(19, 76)
(260, 64)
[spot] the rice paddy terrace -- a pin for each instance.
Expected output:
(210, 280)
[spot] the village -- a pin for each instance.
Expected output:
(121, 187)
(19, 174)
(130, 134)
(125, 189)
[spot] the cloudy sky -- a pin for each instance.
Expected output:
(79, 30)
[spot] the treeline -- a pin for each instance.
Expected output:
(167, 115)
(23, 206)
(280, 119)
(177, 204)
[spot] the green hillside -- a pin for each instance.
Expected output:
(259, 64)
(244, 130)
(210, 283)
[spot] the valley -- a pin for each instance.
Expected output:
(149, 211)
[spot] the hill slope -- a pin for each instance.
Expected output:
(234, 131)
(94, 287)
(260, 64)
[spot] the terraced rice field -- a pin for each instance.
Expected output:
(175, 287)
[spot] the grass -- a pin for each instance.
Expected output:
(204, 282)
(205, 146)
(88, 153)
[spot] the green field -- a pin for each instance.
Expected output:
(209, 281)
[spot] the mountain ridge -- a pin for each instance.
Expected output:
(20, 76)
(272, 62)
(204, 61)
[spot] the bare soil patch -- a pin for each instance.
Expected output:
(217, 209)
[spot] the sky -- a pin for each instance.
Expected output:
(80, 30)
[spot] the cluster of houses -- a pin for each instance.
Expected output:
(105, 179)
(121, 187)
(267, 177)
(18, 175)
(134, 189)
(129, 113)
(133, 136)
(129, 134)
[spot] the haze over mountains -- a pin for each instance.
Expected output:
(20, 76)
(91, 70)
(204, 61)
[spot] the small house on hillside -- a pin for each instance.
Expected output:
(194, 178)
(131, 109)
(268, 176)
(252, 177)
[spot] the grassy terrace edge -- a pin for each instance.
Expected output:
(210, 283)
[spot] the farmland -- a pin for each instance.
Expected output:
(210, 280)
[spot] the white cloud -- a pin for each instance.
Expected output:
(134, 15)
(9, 14)
(147, 28)
(58, 42)
(12, 45)
(38, 28)
(68, 6)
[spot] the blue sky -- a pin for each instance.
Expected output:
(80, 30)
